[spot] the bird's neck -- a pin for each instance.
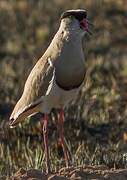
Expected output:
(70, 33)
(65, 40)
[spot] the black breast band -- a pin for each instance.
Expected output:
(68, 88)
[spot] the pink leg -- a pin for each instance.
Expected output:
(44, 124)
(61, 138)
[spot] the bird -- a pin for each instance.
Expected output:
(56, 79)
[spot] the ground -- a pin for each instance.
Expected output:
(73, 173)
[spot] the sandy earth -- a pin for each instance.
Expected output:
(73, 173)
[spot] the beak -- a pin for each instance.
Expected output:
(85, 25)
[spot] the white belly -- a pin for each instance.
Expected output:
(57, 97)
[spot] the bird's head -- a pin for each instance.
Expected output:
(75, 20)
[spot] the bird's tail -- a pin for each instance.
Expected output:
(18, 114)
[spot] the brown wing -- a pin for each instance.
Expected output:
(36, 86)
(37, 82)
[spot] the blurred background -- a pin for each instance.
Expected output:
(96, 125)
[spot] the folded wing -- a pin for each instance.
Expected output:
(35, 88)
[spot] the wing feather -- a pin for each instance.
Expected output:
(35, 87)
